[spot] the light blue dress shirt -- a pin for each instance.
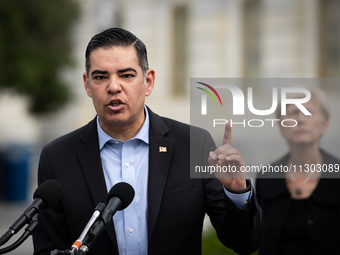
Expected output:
(129, 162)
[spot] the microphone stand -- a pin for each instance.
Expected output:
(4, 239)
(28, 231)
(18, 225)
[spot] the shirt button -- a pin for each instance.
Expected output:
(131, 230)
(245, 202)
(116, 142)
(127, 164)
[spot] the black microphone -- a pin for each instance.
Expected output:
(46, 195)
(119, 197)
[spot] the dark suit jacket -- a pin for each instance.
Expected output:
(321, 211)
(176, 203)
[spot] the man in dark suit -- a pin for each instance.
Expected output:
(128, 142)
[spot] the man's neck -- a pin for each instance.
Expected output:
(123, 132)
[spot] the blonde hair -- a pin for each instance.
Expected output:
(317, 95)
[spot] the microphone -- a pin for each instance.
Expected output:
(28, 231)
(97, 212)
(46, 195)
(119, 197)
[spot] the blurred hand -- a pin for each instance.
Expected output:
(229, 159)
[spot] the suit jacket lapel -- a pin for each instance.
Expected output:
(89, 157)
(160, 151)
(159, 163)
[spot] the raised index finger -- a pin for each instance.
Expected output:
(227, 134)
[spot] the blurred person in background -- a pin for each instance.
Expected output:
(301, 208)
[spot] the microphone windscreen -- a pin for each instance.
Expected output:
(50, 191)
(124, 191)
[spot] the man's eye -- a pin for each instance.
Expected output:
(99, 77)
(128, 75)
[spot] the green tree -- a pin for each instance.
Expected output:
(212, 246)
(35, 42)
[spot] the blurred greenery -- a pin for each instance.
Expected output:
(35, 43)
(212, 246)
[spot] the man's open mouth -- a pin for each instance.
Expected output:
(115, 103)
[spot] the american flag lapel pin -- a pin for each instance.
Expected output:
(162, 149)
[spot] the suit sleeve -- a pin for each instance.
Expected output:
(240, 230)
(50, 234)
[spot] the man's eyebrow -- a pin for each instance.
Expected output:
(128, 69)
(98, 72)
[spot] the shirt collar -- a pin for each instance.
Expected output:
(142, 135)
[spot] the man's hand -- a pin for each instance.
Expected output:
(229, 159)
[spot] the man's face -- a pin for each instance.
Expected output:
(117, 87)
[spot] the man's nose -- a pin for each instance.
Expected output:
(113, 85)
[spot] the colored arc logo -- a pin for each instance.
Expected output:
(212, 89)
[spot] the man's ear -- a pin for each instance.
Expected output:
(86, 84)
(149, 81)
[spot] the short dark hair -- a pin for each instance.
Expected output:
(118, 37)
